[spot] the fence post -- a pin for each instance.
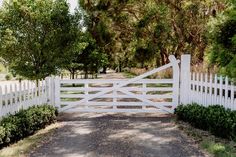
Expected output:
(57, 92)
(48, 90)
(185, 78)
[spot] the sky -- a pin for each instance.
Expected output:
(73, 4)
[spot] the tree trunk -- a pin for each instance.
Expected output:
(104, 70)
(86, 73)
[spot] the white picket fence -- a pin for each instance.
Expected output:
(124, 95)
(206, 88)
(22, 95)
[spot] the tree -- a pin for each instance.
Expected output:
(76, 44)
(82, 52)
(91, 58)
(222, 51)
(170, 27)
(33, 35)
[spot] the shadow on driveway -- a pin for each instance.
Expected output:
(117, 135)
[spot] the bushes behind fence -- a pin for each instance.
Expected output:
(25, 123)
(216, 119)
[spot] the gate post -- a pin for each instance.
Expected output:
(175, 66)
(57, 92)
(185, 78)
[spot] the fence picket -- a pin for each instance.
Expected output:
(22, 95)
(210, 90)
(215, 89)
(225, 102)
(1, 101)
(233, 106)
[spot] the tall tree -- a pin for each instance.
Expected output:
(33, 35)
(163, 26)
(222, 50)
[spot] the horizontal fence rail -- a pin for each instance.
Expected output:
(137, 94)
(132, 97)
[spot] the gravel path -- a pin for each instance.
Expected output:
(117, 135)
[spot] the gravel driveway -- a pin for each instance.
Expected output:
(117, 135)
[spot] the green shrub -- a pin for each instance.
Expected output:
(8, 77)
(25, 123)
(216, 119)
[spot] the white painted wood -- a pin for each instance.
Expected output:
(57, 92)
(110, 104)
(114, 96)
(173, 62)
(144, 85)
(111, 81)
(1, 101)
(210, 91)
(72, 110)
(185, 76)
(19, 96)
(205, 90)
(221, 90)
(210, 88)
(99, 95)
(90, 89)
(86, 85)
(225, 101)
(11, 95)
(233, 106)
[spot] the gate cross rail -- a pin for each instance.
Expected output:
(173, 63)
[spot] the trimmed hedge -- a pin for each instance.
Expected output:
(25, 123)
(216, 119)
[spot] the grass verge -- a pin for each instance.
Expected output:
(129, 74)
(215, 146)
(23, 147)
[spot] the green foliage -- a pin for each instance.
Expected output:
(216, 119)
(33, 35)
(222, 51)
(8, 77)
(82, 52)
(122, 28)
(25, 123)
(91, 58)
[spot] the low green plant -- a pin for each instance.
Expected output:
(25, 123)
(216, 119)
(8, 77)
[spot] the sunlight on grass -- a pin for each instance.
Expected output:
(215, 146)
(218, 149)
(129, 75)
(23, 147)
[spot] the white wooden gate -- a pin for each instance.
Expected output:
(138, 94)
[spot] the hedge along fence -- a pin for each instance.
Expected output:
(216, 119)
(25, 123)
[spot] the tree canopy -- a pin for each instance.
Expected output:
(42, 38)
(33, 36)
(222, 51)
